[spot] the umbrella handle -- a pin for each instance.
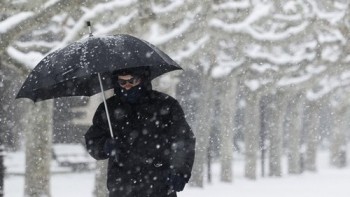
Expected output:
(105, 103)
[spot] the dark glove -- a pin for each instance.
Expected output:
(176, 182)
(111, 149)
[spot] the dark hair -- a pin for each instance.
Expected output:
(143, 72)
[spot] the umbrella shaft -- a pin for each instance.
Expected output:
(105, 103)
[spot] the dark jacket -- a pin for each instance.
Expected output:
(153, 138)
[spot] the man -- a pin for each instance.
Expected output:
(153, 150)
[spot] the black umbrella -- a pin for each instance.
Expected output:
(85, 67)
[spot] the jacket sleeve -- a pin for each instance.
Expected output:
(97, 135)
(183, 143)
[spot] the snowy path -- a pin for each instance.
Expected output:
(326, 182)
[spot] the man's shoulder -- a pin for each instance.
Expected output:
(111, 102)
(160, 96)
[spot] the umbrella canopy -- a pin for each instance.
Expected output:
(75, 69)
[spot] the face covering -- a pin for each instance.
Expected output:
(132, 95)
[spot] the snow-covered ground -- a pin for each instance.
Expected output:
(326, 182)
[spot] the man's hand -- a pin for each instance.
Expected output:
(111, 149)
(176, 182)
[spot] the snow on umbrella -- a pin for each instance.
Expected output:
(85, 67)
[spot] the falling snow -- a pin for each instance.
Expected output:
(264, 87)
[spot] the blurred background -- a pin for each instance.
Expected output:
(265, 83)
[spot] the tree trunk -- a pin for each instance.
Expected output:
(264, 102)
(251, 133)
(202, 130)
(276, 111)
(38, 150)
(101, 179)
(227, 109)
(338, 139)
(2, 167)
(294, 129)
(311, 129)
(2, 146)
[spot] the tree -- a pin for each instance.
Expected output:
(38, 150)
(293, 130)
(2, 166)
(228, 89)
(19, 21)
(251, 135)
(275, 128)
(101, 179)
(338, 137)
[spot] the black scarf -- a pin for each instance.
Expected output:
(136, 94)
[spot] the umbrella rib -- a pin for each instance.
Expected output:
(105, 103)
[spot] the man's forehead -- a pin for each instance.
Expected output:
(125, 76)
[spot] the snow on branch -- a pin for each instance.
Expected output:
(288, 81)
(259, 11)
(166, 9)
(50, 3)
(90, 14)
(313, 69)
(30, 59)
(331, 35)
(27, 24)
(247, 26)
(253, 85)
(123, 20)
(190, 49)
(158, 38)
(225, 68)
(13, 21)
(328, 85)
(332, 17)
(264, 67)
(278, 56)
(231, 5)
(256, 34)
(331, 53)
(345, 75)
(36, 44)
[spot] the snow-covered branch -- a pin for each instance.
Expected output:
(173, 6)
(89, 14)
(13, 21)
(30, 59)
(31, 21)
(190, 49)
(328, 85)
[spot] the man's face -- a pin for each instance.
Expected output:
(128, 81)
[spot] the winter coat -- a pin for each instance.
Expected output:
(154, 140)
